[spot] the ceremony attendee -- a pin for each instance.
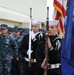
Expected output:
(8, 50)
(36, 37)
(19, 62)
(54, 48)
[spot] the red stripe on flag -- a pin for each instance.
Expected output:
(60, 7)
(58, 4)
(61, 26)
(60, 10)
(57, 15)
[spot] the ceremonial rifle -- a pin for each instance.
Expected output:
(46, 45)
(29, 50)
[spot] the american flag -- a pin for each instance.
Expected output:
(60, 13)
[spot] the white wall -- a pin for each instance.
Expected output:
(24, 25)
(19, 10)
(10, 23)
(51, 8)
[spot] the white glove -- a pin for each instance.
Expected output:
(29, 52)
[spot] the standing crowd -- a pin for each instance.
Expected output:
(14, 50)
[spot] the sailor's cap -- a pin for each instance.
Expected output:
(35, 22)
(53, 22)
(4, 26)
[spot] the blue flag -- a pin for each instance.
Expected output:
(68, 40)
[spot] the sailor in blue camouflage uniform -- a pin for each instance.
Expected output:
(8, 49)
(11, 31)
(18, 39)
(36, 37)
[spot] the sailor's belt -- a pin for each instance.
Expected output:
(54, 66)
(30, 60)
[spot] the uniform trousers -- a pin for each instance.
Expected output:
(15, 68)
(56, 71)
(33, 70)
(21, 67)
(5, 67)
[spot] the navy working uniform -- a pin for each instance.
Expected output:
(35, 39)
(18, 39)
(53, 54)
(8, 48)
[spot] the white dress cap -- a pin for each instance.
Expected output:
(53, 22)
(36, 22)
